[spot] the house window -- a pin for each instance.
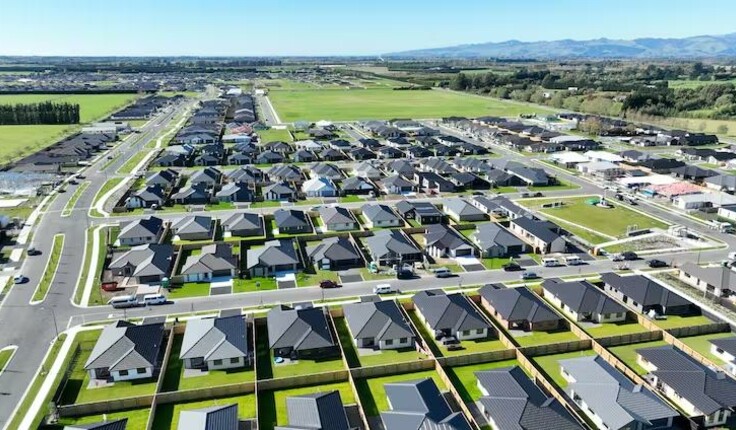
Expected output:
(234, 360)
(719, 350)
(479, 331)
(123, 373)
(466, 332)
(141, 370)
(402, 340)
(217, 362)
(389, 342)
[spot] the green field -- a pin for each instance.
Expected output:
(349, 105)
(92, 106)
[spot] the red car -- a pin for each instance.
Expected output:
(329, 284)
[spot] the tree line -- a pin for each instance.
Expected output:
(39, 113)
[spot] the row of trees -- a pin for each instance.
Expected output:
(39, 113)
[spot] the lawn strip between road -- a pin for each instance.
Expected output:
(48, 275)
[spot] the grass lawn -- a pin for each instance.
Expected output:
(612, 222)
(76, 390)
(350, 199)
(74, 198)
(311, 279)
(91, 106)
(702, 344)
(463, 378)
(548, 364)
(615, 329)
(274, 135)
(375, 359)
(272, 404)
(544, 338)
(174, 378)
(106, 187)
(368, 276)
(5, 356)
(189, 289)
(249, 285)
(373, 394)
(469, 346)
(96, 297)
(676, 321)
(627, 353)
(495, 263)
(266, 204)
(355, 104)
(137, 419)
(563, 185)
(131, 162)
(48, 275)
(167, 416)
(17, 141)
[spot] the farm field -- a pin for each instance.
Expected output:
(92, 106)
(347, 105)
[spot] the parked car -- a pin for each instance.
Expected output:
(529, 275)
(404, 274)
(20, 279)
(442, 272)
(327, 283)
(617, 257)
(538, 194)
(511, 267)
(33, 251)
(384, 289)
(629, 255)
(654, 263)
(154, 299)
(449, 340)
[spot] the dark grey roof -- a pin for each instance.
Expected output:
(215, 338)
(419, 405)
(461, 207)
(490, 234)
(107, 425)
(441, 236)
(144, 227)
(192, 224)
(334, 249)
(728, 181)
(278, 188)
(336, 215)
(384, 242)
(242, 221)
(720, 277)
(212, 258)
(611, 395)
(538, 229)
(644, 290)
(379, 320)
(397, 181)
(518, 304)
(583, 297)
(708, 390)
(148, 259)
(448, 311)
(273, 253)
(300, 329)
(290, 218)
(212, 418)
(378, 212)
(514, 402)
(355, 183)
(126, 346)
(317, 411)
(727, 344)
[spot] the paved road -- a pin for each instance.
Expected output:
(33, 327)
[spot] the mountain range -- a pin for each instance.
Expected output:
(689, 47)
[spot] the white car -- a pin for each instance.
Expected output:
(20, 279)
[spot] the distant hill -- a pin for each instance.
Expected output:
(690, 47)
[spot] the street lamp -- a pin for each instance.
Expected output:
(53, 315)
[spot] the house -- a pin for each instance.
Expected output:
(450, 315)
(532, 176)
(279, 191)
(275, 256)
(166, 178)
(719, 280)
(249, 175)
(291, 221)
(337, 218)
(234, 192)
(141, 231)
(502, 207)
(661, 165)
(327, 170)
(494, 241)
(367, 170)
(361, 154)
(543, 236)
(419, 405)
(146, 264)
(286, 173)
(119, 424)
(332, 154)
(397, 185)
(519, 309)
(316, 411)
(378, 324)
(213, 261)
(441, 241)
(126, 351)
(269, 157)
(300, 333)
(604, 170)
(303, 156)
(197, 194)
(725, 349)
(208, 177)
(647, 296)
(695, 388)
(194, 227)
(511, 401)
(319, 187)
(241, 158)
(422, 212)
(243, 224)
(582, 301)
(721, 183)
(380, 216)
(171, 160)
(469, 181)
(401, 167)
(221, 417)
(356, 185)
(462, 211)
(391, 247)
(692, 173)
(206, 160)
(149, 197)
(433, 183)
(215, 343)
(610, 400)
(334, 253)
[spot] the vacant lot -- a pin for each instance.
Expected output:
(92, 106)
(611, 222)
(357, 104)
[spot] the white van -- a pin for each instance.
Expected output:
(573, 260)
(384, 289)
(550, 262)
(442, 272)
(154, 299)
(123, 302)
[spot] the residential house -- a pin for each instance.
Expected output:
(725, 349)
(695, 388)
(337, 218)
(241, 158)
(378, 324)
(380, 216)
(193, 227)
(519, 309)
(216, 343)
(327, 170)
(692, 173)
(610, 400)
(362, 154)
(462, 211)
(146, 264)
(450, 315)
(286, 173)
(220, 417)
(166, 178)
(126, 351)
(604, 170)
(495, 241)
(441, 241)
(197, 194)
(423, 213)
(141, 231)
(279, 191)
(392, 247)
(419, 405)
(725, 183)
(507, 208)
(719, 280)
(291, 221)
(433, 183)
(543, 236)
(316, 411)
(208, 177)
(274, 257)
(300, 333)
(367, 170)
(303, 156)
(243, 224)
(334, 253)
(171, 160)
(213, 261)
(397, 185)
(356, 185)
(319, 187)
(150, 197)
(647, 296)
(582, 301)
(235, 192)
(269, 157)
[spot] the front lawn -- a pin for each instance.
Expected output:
(373, 394)
(702, 344)
(627, 353)
(562, 186)
(550, 366)
(272, 404)
(253, 284)
(167, 416)
(189, 289)
(495, 263)
(312, 279)
(464, 380)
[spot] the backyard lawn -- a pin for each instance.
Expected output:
(137, 419)
(544, 337)
(357, 104)
(627, 353)
(615, 329)
(373, 394)
(167, 416)
(463, 378)
(702, 344)
(549, 364)
(677, 321)
(272, 404)
(274, 135)
(468, 346)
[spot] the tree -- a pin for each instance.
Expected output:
(460, 82)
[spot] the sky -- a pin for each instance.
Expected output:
(331, 27)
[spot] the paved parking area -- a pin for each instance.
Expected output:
(525, 262)
(474, 267)
(285, 284)
(216, 291)
(346, 279)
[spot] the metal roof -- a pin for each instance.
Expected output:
(448, 311)
(126, 346)
(215, 338)
(300, 329)
(379, 320)
(518, 304)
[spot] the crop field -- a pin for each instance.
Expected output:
(357, 104)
